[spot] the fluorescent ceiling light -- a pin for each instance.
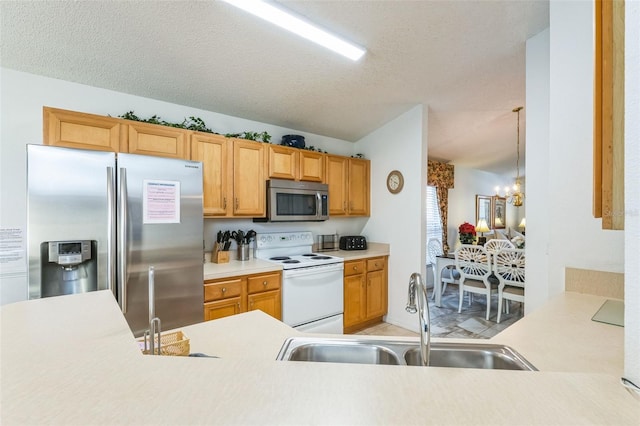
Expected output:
(289, 22)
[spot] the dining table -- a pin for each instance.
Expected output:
(442, 262)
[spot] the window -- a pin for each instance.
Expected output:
(434, 221)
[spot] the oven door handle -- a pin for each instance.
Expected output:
(311, 270)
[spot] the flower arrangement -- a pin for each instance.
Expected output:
(467, 233)
(518, 241)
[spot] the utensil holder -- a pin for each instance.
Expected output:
(243, 252)
(219, 256)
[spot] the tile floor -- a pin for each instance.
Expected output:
(447, 322)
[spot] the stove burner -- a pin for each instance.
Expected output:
(310, 254)
(291, 261)
(280, 258)
(320, 257)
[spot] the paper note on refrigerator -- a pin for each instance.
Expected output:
(161, 201)
(12, 250)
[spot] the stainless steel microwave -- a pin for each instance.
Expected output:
(291, 201)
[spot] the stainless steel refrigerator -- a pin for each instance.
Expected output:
(100, 220)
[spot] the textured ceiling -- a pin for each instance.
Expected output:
(465, 60)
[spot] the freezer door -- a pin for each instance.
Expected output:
(68, 200)
(160, 223)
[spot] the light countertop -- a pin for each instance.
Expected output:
(236, 267)
(72, 360)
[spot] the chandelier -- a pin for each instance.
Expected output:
(514, 195)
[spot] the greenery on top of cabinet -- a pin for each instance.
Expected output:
(191, 123)
(197, 124)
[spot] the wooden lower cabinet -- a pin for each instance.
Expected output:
(365, 292)
(233, 295)
(269, 302)
(222, 308)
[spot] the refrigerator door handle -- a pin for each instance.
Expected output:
(122, 239)
(111, 230)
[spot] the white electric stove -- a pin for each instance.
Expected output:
(312, 283)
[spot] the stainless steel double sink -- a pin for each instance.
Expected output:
(394, 352)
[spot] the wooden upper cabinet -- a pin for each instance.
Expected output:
(249, 184)
(83, 131)
(312, 166)
(283, 162)
(213, 152)
(336, 178)
(295, 164)
(348, 180)
(160, 141)
(358, 187)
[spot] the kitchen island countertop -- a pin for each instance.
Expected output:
(73, 360)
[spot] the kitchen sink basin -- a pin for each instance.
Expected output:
(393, 352)
(349, 353)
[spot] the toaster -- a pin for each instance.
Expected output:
(353, 242)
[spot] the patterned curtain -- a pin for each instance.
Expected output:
(440, 175)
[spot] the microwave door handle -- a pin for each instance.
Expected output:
(318, 205)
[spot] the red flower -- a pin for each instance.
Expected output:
(467, 228)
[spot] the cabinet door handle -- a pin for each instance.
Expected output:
(344, 205)
(237, 203)
(224, 203)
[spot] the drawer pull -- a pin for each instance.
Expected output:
(264, 283)
(224, 289)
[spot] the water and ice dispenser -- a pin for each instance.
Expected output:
(68, 267)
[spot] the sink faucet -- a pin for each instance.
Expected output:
(417, 285)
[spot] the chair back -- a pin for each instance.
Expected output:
(508, 266)
(434, 249)
(495, 245)
(473, 263)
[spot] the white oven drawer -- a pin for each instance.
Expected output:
(331, 325)
(310, 294)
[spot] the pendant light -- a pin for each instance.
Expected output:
(514, 195)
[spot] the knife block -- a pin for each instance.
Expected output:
(219, 256)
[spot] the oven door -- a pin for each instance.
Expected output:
(313, 293)
(296, 204)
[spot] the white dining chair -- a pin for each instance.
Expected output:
(449, 275)
(509, 267)
(495, 245)
(474, 265)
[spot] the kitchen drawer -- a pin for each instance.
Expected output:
(375, 264)
(263, 283)
(354, 267)
(222, 289)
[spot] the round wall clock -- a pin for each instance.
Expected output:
(395, 182)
